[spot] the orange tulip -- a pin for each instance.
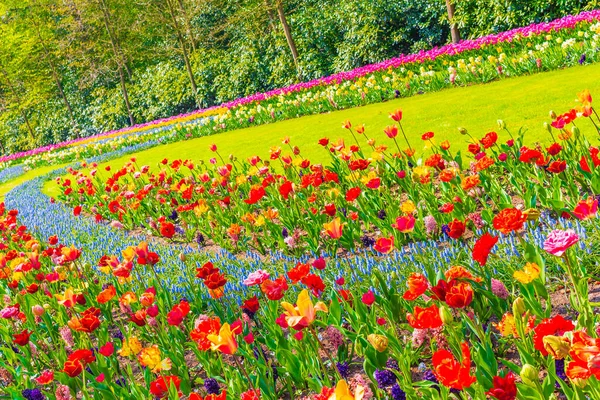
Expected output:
(304, 313)
(334, 228)
(70, 253)
(585, 353)
(391, 131)
(106, 295)
(396, 115)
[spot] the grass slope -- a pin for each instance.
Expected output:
(520, 102)
(11, 184)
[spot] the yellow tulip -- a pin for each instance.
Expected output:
(131, 346)
(342, 392)
(529, 272)
(225, 341)
(304, 313)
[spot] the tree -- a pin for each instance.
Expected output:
(170, 14)
(453, 27)
(288, 32)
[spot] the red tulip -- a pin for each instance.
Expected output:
(452, 373)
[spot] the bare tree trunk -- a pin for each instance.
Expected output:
(186, 60)
(126, 96)
(453, 28)
(288, 34)
(118, 58)
(57, 79)
(24, 114)
(188, 25)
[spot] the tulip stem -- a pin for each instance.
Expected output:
(241, 367)
(403, 134)
(583, 308)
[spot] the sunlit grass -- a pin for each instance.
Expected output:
(520, 102)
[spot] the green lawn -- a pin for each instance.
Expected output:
(11, 184)
(520, 102)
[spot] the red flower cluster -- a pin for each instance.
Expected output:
(178, 313)
(213, 279)
(77, 361)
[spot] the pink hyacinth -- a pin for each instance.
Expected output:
(359, 380)
(201, 318)
(66, 335)
(498, 289)
(256, 278)
(334, 337)
(419, 336)
(430, 224)
(63, 393)
(558, 241)
(476, 219)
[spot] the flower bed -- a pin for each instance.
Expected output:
(108, 314)
(369, 194)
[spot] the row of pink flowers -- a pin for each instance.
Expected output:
(567, 22)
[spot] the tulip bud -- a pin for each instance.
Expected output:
(501, 124)
(518, 307)
(557, 346)
(379, 342)
(575, 131)
(37, 310)
(530, 375)
(374, 281)
(552, 114)
(532, 214)
(446, 315)
(547, 127)
(463, 131)
(182, 257)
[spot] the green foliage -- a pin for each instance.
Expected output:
(480, 17)
(235, 48)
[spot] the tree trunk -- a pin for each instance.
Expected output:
(118, 58)
(24, 114)
(453, 28)
(186, 59)
(126, 96)
(113, 38)
(57, 79)
(288, 34)
(188, 25)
